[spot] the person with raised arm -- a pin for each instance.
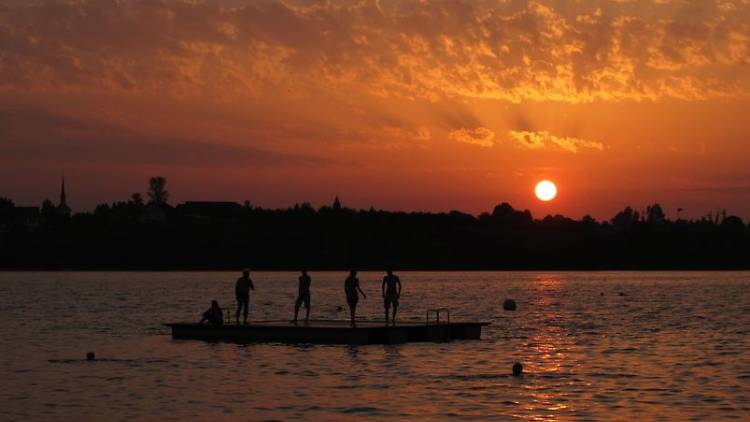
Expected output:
(242, 294)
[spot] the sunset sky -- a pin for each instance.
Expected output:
(402, 105)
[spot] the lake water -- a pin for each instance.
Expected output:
(674, 346)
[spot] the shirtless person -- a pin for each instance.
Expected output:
(352, 290)
(391, 292)
(303, 296)
(242, 293)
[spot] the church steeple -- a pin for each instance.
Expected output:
(63, 208)
(63, 198)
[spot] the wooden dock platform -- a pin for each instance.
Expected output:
(330, 332)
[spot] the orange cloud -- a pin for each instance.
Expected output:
(513, 51)
(478, 136)
(540, 139)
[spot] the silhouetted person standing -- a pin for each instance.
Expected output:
(303, 296)
(242, 293)
(352, 290)
(391, 290)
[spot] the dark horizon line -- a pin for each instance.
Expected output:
(301, 205)
(365, 269)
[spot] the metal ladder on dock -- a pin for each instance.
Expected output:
(437, 312)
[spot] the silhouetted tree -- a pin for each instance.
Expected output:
(157, 191)
(654, 213)
(510, 217)
(6, 208)
(101, 210)
(49, 212)
(625, 218)
(503, 211)
(48, 207)
(733, 223)
(136, 199)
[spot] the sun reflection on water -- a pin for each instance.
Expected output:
(548, 349)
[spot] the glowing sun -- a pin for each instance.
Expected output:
(545, 190)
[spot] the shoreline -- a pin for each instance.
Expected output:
(359, 269)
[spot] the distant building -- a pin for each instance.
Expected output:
(209, 209)
(336, 204)
(63, 208)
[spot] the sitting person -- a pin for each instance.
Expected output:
(213, 315)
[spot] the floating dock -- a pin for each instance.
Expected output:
(330, 332)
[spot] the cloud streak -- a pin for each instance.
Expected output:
(541, 139)
(478, 136)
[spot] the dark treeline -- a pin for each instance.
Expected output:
(147, 234)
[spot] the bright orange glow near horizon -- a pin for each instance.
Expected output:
(545, 190)
(401, 105)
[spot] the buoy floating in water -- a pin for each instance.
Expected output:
(517, 369)
(509, 305)
(90, 356)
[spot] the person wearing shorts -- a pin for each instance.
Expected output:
(391, 293)
(242, 294)
(352, 290)
(303, 296)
